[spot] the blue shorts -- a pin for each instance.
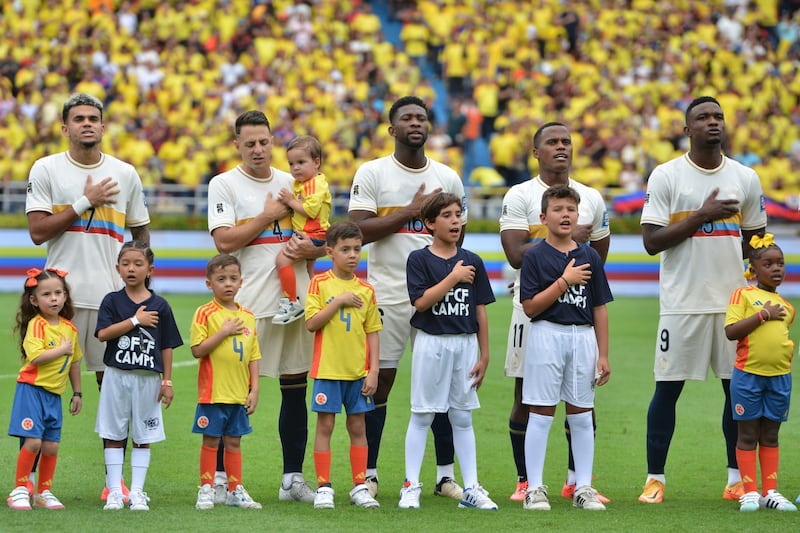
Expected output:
(330, 394)
(318, 242)
(754, 397)
(36, 414)
(221, 419)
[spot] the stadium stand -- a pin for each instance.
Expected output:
(174, 75)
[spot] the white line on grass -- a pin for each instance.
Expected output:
(89, 372)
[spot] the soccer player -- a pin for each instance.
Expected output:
(342, 312)
(520, 229)
(79, 202)
(246, 220)
(700, 212)
(564, 290)
(223, 338)
(385, 199)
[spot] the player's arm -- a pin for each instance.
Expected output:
(600, 314)
(141, 317)
(601, 246)
(515, 243)
(744, 327)
(229, 239)
(376, 228)
(45, 356)
(76, 402)
(166, 393)
(478, 371)
(572, 275)
(659, 238)
(252, 396)
(230, 326)
(141, 233)
(371, 381)
(43, 226)
(300, 247)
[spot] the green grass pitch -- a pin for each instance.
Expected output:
(695, 470)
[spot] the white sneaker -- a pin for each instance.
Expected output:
(775, 500)
(288, 311)
(360, 496)
(19, 499)
(372, 485)
(477, 498)
(586, 498)
(749, 502)
(323, 499)
(240, 498)
(139, 501)
(220, 489)
(536, 499)
(298, 491)
(47, 500)
(114, 501)
(409, 496)
(206, 497)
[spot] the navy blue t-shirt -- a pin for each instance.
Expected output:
(542, 265)
(140, 348)
(455, 313)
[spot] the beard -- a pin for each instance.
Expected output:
(88, 144)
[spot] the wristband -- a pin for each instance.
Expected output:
(565, 282)
(81, 205)
(135, 321)
(77, 395)
(767, 313)
(166, 383)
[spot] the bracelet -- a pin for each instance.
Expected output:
(77, 395)
(81, 205)
(565, 282)
(769, 317)
(166, 383)
(135, 321)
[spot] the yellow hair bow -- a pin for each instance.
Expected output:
(762, 242)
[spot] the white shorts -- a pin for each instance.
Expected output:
(130, 397)
(561, 365)
(93, 350)
(686, 345)
(285, 349)
(440, 367)
(396, 332)
(517, 339)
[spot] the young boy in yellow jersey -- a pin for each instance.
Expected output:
(223, 338)
(342, 311)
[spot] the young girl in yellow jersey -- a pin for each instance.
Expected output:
(310, 202)
(342, 311)
(758, 318)
(51, 355)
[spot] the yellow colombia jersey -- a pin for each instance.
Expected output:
(340, 347)
(316, 198)
(224, 375)
(768, 350)
(40, 336)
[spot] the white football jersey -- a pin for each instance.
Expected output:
(700, 274)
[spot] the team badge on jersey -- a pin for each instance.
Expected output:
(355, 190)
(739, 408)
(27, 424)
(202, 422)
(220, 208)
(321, 398)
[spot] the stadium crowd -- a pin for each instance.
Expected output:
(174, 75)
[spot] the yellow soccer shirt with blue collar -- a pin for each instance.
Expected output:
(767, 350)
(223, 375)
(40, 336)
(340, 346)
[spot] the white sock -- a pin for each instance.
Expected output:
(443, 471)
(371, 472)
(287, 479)
(657, 477)
(570, 477)
(220, 477)
(140, 462)
(536, 447)
(416, 438)
(32, 478)
(582, 431)
(464, 444)
(114, 457)
(734, 476)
